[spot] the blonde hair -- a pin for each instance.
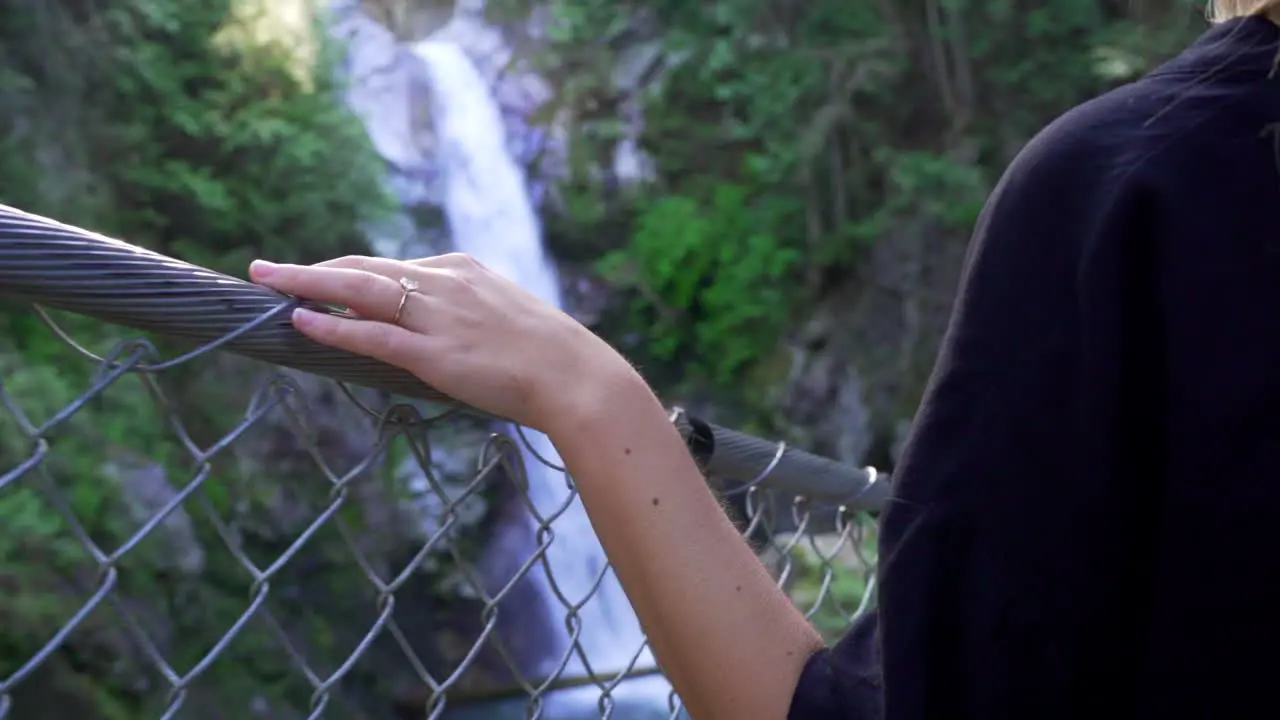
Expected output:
(1220, 10)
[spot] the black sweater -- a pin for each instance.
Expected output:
(1086, 519)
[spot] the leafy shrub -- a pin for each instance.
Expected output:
(212, 145)
(152, 121)
(710, 275)
(851, 121)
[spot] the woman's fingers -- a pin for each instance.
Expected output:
(436, 275)
(449, 261)
(368, 294)
(394, 269)
(391, 344)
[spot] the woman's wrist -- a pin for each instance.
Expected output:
(604, 388)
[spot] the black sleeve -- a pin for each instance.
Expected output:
(843, 682)
(1031, 428)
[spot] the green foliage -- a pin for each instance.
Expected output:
(199, 142)
(235, 154)
(209, 144)
(790, 136)
(41, 558)
(710, 277)
(175, 125)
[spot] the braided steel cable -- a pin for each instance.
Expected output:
(61, 266)
(731, 454)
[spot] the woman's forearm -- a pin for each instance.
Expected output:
(728, 638)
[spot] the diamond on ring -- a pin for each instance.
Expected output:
(408, 286)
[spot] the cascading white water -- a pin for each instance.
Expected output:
(491, 218)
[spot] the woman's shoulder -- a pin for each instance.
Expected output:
(1117, 130)
(1219, 94)
(1151, 131)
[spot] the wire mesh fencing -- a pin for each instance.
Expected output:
(205, 515)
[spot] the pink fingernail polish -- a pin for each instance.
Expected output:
(304, 318)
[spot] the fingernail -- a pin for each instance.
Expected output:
(305, 319)
(262, 268)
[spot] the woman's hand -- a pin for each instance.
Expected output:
(465, 330)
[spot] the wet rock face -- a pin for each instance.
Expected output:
(858, 366)
(387, 90)
(823, 394)
(145, 490)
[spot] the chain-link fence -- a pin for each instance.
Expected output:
(265, 527)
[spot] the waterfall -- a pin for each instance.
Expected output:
(491, 218)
